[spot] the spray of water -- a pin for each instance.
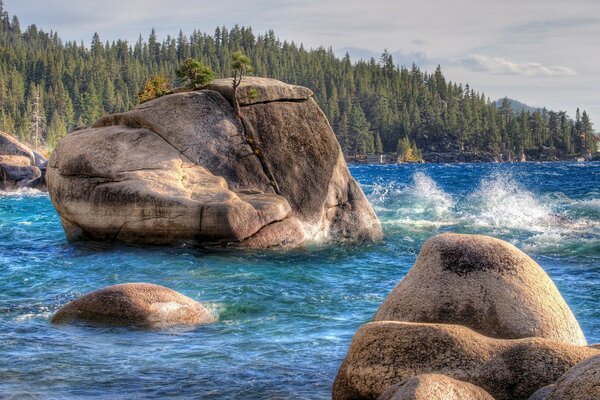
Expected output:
(501, 202)
(499, 206)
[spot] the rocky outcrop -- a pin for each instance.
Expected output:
(434, 387)
(387, 352)
(582, 382)
(134, 304)
(472, 308)
(485, 284)
(20, 167)
(184, 168)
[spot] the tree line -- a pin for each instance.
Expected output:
(48, 87)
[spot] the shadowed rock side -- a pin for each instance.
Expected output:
(434, 387)
(385, 353)
(542, 394)
(183, 168)
(20, 167)
(135, 304)
(485, 284)
(582, 382)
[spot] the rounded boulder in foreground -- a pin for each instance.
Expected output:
(135, 304)
(485, 284)
(385, 353)
(434, 387)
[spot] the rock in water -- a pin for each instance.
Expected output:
(485, 284)
(20, 167)
(135, 304)
(387, 352)
(184, 168)
(434, 387)
(582, 382)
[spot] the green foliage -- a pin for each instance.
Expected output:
(240, 63)
(195, 74)
(158, 85)
(408, 151)
(371, 104)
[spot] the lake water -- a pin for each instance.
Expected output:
(285, 318)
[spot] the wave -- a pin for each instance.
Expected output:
(498, 206)
(501, 202)
(422, 196)
(22, 192)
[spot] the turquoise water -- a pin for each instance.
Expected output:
(285, 318)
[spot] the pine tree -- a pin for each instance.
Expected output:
(359, 131)
(587, 133)
(372, 104)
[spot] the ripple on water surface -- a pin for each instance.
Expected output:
(285, 318)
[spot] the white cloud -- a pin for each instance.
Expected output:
(501, 66)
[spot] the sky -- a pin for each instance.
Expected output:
(543, 53)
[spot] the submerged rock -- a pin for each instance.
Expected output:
(385, 353)
(485, 284)
(20, 167)
(582, 382)
(184, 168)
(434, 387)
(135, 304)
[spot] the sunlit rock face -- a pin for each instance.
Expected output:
(184, 168)
(474, 309)
(485, 284)
(142, 305)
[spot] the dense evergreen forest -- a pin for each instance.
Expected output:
(48, 87)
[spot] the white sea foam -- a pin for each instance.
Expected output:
(422, 196)
(498, 206)
(501, 202)
(22, 192)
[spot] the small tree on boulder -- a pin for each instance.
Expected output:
(194, 73)
(158, 85)
(240, 64)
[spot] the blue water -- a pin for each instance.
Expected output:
(285, 318)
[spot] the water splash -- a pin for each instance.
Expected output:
(498, 206)
(22, 193)
(501, 202)
(423, 196)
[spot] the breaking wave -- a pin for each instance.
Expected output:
(498, 206)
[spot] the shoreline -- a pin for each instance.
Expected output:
(355, 163)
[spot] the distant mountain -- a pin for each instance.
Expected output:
(517, 106)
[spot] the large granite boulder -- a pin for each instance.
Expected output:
(385, 353)
(485, 284)
(20, 167)
(135, 304)
(184, 168)
(434, 387)
(582, 382)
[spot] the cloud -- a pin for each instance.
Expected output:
(401, 57)
(501, 66)
(542, 28)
